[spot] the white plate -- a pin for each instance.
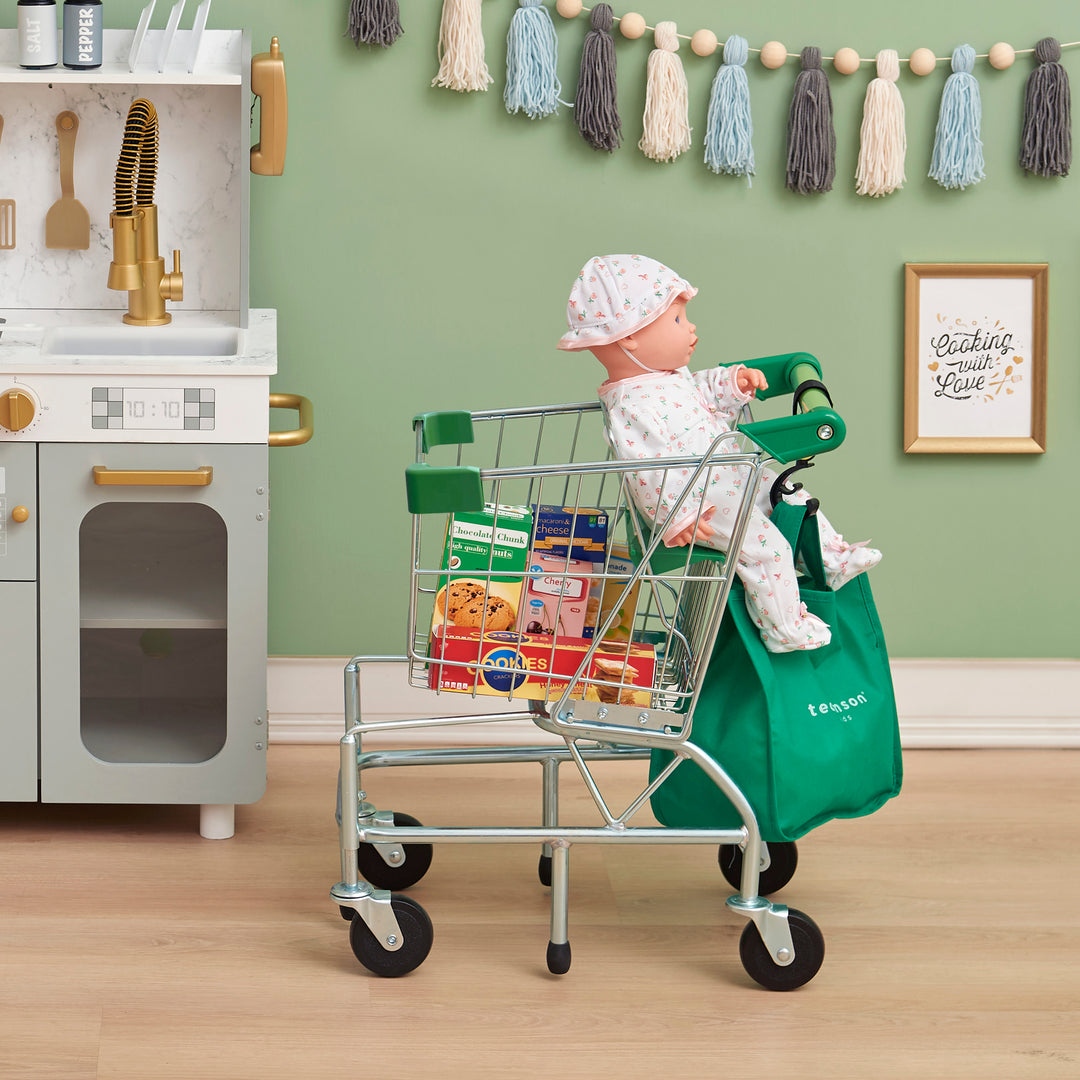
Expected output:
(170, 33)
(140, 35)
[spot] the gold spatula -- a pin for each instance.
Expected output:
(67, 224)
(7, 215)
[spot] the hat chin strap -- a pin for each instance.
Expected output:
(632, 358)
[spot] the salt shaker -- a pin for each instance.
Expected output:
(37, 33)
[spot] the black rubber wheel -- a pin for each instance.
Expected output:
(375, 871)
(783, 858)
(416, 929)
(558, 958)
(544, 870)
(346, 912)
(809, 953)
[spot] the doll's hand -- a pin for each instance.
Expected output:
(700, 530)
(750, 379)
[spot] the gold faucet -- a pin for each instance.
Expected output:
(137, 268)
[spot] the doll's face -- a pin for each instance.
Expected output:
(668, 342)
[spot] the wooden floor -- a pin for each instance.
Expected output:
(131, 949)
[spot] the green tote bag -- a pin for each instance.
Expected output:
(807, 736)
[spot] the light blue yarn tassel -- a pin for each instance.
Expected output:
(958, 150)
(532, 85)
(729, 130)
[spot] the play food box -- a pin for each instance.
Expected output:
(556, 600)
(486, 552)
(535, 666)
(605, 595)
(584, 528)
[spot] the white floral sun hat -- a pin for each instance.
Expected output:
(614, 295)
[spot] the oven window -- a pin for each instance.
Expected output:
(153, 664)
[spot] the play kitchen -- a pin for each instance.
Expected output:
(135, 423)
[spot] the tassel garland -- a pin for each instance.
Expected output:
(532, 85)
(595, 105)
(729, 131)
(374, 22)
(811, 156)
(666, 120)
(883, 141)
(461, 47)
(957, 160)
(1046, 136)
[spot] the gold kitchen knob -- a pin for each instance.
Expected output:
(16, 409)
(20, 514)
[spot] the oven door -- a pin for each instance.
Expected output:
(153, 623)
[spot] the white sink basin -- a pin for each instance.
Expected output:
(124, 340)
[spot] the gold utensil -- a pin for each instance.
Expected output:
(7, 215)
(67, 224)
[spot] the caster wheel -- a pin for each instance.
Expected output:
(558, 958)
(346, 912)
(783, 858)
(415, 928)
(544, 870)
(809, 953)
(377, 872)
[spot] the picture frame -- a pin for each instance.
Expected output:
(975, 358)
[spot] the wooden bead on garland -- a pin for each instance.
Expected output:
(703, 43)
(773, 55)
(846, 61)
(632, 25)
(1002, 55)
(568, 9)
(922, 62)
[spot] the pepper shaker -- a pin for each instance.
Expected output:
(37, 33)
(82, 34)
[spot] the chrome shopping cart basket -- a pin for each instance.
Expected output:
(536, 583)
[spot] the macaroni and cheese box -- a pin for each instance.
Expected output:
(556, 600)
(535, 666)
(580, 532)
(485, 554)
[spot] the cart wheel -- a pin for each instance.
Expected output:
(558, 958)
(809, 953)
(544, 870)
(416, 929)
(346, 912)
(376, 871)
(783, 858)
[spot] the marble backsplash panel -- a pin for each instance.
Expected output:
(199, 190)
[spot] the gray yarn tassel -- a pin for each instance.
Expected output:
(595, 105)
(374, 22)
(1046, 136)
(811, 158)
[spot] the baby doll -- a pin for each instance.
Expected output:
(630, 312)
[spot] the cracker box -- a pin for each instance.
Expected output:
(605, 595)
(556, 600)
(580, 532)
(538, 667)
(486, 553)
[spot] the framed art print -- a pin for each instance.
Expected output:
(975, 358)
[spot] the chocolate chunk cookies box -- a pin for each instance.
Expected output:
(486, 553)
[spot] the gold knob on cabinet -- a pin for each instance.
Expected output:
(20, 514)
(16, 409)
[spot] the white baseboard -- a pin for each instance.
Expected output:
(942, 703)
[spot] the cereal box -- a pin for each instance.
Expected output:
(486, 553)
(535, 666)
(557, 597)
(580, 532)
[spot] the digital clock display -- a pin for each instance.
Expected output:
(153, 408)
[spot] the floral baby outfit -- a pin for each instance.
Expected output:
(675, 414)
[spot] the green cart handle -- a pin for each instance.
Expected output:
(815, 430)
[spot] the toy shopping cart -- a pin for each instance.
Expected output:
(621, 681)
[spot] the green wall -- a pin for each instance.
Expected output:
(420, 247)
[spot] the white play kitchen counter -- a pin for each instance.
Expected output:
(134, 490)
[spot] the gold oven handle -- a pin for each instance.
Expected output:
(200, 477)
(302, 434)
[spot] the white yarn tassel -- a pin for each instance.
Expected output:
(666, 121)
(883, 139)
(461, 47)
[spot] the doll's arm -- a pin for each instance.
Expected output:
(731, 386)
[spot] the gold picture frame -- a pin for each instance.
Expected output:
(975, 358)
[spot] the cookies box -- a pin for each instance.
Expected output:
(579, 531)
(486, 552)
(538, 667)
(556, 600)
